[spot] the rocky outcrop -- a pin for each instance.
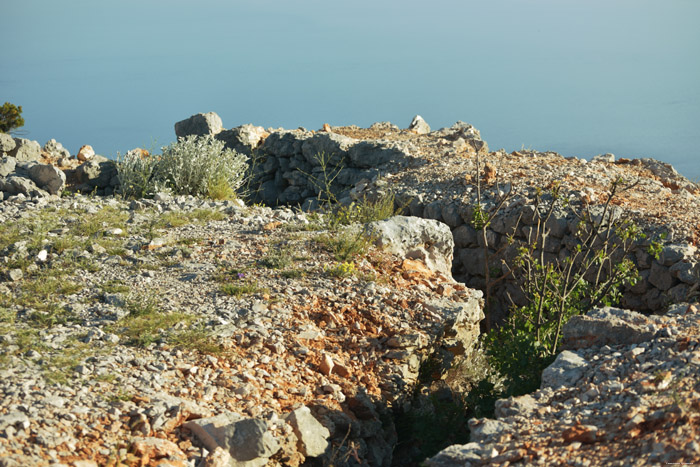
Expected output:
(25, 150)
(413, 238)
(419, 125)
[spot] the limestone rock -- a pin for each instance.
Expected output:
(410, 237)
(385, 126)
(671, 254)
(200, 124)
(607, 157)
(313, 437)
(566, 370)
(98, 172)
(246, 439)
(243, 139)
(419, 125)
(285, 143)
(7, 165)
(485, 427)
(15, 184)
(48, 177)
(219, 457)
(56, 150)
(457, 455)
(521, 405)
(85, 153)
(606, 326)
(7, 143)
(26, 150)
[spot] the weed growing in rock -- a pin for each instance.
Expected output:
(145, 324)
(241, 289)
(346, 244)
(342, 270)
(292, 273)
(197, 338)
(279, 258)
(115, 286)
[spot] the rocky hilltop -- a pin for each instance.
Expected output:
(182, 331)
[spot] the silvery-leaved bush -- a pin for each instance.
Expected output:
(136, 175)
(198, 166)
(195, 164)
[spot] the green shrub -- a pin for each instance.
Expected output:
(592, 275)
(10, 117)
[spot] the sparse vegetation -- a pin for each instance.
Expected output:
(146, 324)
(280, 257)
(555, 289)
(240, 289)
(342, 270)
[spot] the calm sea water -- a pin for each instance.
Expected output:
(579, 78)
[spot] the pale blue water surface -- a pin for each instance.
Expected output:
(579, 78)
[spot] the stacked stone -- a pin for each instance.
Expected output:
(668, 279)
(292, 167)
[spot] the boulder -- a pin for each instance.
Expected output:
(566, 370)
(7, 165)
(99, 172)
(411, 237)
(671, 254)
(247, 439)
(483, 428)
(48, 177)
(660, 277)
(419, 125)
(26, 150)
(522, 406)
(607, 326)
(457, 455)
(7, 143)
(313, 437)
(56, 150)
(15, 184)
(85, 153)
(199, 125)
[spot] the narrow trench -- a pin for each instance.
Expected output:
(432, 417)
(435, 417)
